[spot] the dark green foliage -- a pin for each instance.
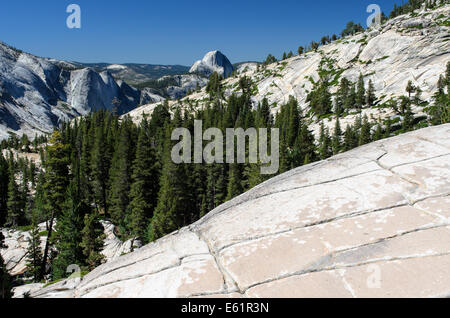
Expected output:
(15, 202)
(352, 29)
(370, 95)
(410, 6)
(336, 140)
(325, 150)
(270, 59)
(360, 93)
(214, 86)
(440, 110)
(92, 240)
(34, 253)
(144, 189)
(173, 199)
(100, 163)
(120, 175)
(320, 98)
(364, 136)
(68, 234)
(5, 279)
(56, 181)
(4, 180)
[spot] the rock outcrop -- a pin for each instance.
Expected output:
(184, 84)
(36, 94)
(213, 61)
(403, 49)
(17, 243)
(372, 222)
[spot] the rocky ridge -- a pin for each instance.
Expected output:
(36, 94)
(213, 61)
(17, 244)
(412, 47)
(372, 222)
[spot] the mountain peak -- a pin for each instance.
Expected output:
(213, 61)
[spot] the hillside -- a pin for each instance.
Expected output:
(322, 230)
(137, 73)
(413, 47)
(37, 94)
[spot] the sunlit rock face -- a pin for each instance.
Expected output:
(403, 49)
(37, 94)
(372, 222)
(213, 61)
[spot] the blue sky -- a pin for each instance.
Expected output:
(175, 32)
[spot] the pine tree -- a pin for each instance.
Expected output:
(350, 138)
(100, 163)
(361, 92)
(378, 133)
(324, 143)
(410, 88)
(92, 240)
(4, 180)
(336, 140)
(173, 198)
(68, 233)
(56, 181)
(364, 137)
(5, 278)
(34, 252)
(408, 119)
(120, 178)
(350, 101)
(234, 181)
(144, 190)
(370, 97)
(15, 202)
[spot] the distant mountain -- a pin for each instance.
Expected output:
(213, 61)
(137, 73)
(36, 93)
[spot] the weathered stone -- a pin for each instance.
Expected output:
(370, 222)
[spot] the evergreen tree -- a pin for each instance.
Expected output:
(350, 101)
(15, 202)
(378, 133)
(408, 119)
(34, 253)
(68, 234)
(410, 88)
(144, 190)
(320, 99)
(5, 279)
(370, 97)
(56, 181)
(120, 177)
(341, 97)
(234, 181)
(324, 143)
(173, 198)
(361, 92)
(336, 140)
(350, 138)
(92, 240)
(100, 163)
(365, 137)
(4, 180)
